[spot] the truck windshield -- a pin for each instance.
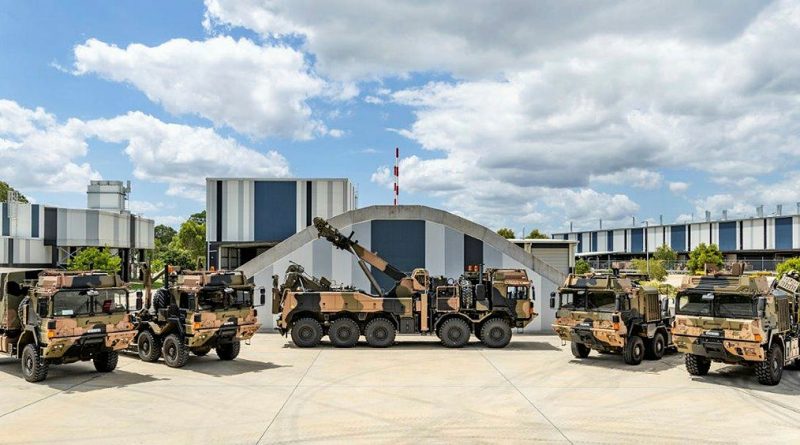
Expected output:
(80, 302)
(591, 301)
(212, 300)
(722, 305)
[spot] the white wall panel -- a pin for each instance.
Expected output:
(619, 241)
(434, 248)
(602, 241)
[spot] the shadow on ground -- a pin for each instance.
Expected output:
(407, 345)
(214, 367)
(78, 379)
(614, 361)
(744, 377)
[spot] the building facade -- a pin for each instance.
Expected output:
(40, 236)
(247, 216)
(762, 242)
(410, 237)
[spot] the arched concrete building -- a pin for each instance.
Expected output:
(408, 237)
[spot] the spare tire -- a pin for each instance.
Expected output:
(161, 299)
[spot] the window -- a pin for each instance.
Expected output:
(517, 292)
(693, 304)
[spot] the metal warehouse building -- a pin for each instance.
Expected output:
(415, 236)
(247, 216)
(41, 236)
(760, 241)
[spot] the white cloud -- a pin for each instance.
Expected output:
(259, 90)
(183, 156)
(632, 177)
(384, 37)
(39, 153)
(678, 187)
(742, 202)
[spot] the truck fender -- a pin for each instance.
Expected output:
(28, 336)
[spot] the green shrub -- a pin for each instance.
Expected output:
(582, 267)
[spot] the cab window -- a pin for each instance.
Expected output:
(517, 292)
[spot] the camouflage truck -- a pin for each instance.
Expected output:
(612, 314)
(63, 317)
(487, 303)
(739, 320)
(196, 312)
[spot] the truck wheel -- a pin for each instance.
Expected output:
(769, 371)
(175, 352)
(149, 347)
(344, 333)
(495, 333)
(656, 347)
(380, 333)
(697, 365)
(228, 351)
(306, 333)
(455, 333)
(633, 353)
(34, 367)
(106, 361)
(579, 350)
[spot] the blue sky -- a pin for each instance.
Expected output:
(521, 115)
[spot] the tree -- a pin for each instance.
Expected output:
(787, 265)
(536, 234)
(665, 253)
(199, 217)
(656, 271)
(582, 267)
(5, 188)
(192, 238)
(164, 234)
(174, 255)
(92, 258)
(704, 254)
(506, 233)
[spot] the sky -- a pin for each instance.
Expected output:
(513, 114)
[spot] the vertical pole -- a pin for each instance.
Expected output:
(396, 174)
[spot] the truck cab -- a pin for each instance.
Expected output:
(66, 317)
(612, 314)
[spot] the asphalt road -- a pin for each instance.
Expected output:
(417, 391)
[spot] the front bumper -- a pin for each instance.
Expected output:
(720, 349)
(85, 346)
(223, 334)
(593, 337)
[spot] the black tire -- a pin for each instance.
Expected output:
(344, 333)
(149, 347)
(34, 367)
(306, 333)
(201, 351)
(380, 333)
(454, 333)
(106, 361)
(770, 371)
(633, 353)
(495, 333)
(697, 365)
(228, 351)
(161, 299)
(656, 347)
(175, 351)
(580, 350)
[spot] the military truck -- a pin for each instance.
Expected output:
(484, 302)
(196, 312)
(612, 314)
(63, 317)
(739, 320)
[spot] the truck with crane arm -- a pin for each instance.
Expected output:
(488, 303)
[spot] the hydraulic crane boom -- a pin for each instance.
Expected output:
(365, 257)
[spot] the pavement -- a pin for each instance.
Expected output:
(416, 391)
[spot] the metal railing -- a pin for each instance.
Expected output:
(751, 265)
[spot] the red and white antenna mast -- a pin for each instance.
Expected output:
(396, 174)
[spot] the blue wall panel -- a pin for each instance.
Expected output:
(727, 236)
(473, 251)
(783, 233)
(637, 240)
(275, 210)
(5, 222)
(677, 238)
(610, 241)
(35, 221)
(401, 243)
(594, 241)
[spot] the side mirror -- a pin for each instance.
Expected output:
(139, 302)
(665, 307)
(552, 300)
(762, 307)
(263, 296)
(480, 291)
